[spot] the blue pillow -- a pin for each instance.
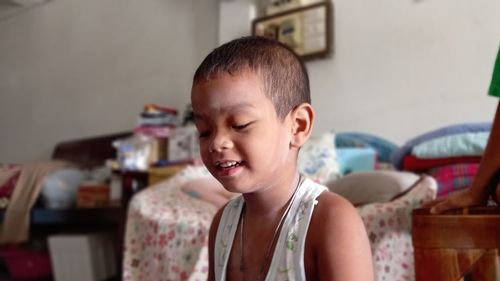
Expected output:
(466, 144)
(356, 159)
(383, 147)
(398, 155)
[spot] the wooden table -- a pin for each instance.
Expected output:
(459, 243)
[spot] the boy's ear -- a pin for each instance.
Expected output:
(302, 118)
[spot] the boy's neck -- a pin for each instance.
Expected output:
(270, 201)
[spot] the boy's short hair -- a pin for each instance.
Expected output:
(283, 73)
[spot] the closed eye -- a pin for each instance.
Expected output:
(202, 135)
(242, 126)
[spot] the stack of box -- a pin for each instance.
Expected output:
(93, 195)
(149, 143)
(157, 122)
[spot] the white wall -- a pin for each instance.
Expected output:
(75, 68)
(403, 67)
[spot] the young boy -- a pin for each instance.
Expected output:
(252, 109)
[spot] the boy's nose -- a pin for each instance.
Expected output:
(220, 142)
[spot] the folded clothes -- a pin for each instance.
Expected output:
(454, 177)
(412, 163)
(466, 144)
(397, 158)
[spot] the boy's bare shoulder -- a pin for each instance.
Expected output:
(329, 213)
(332, 216)
(337, 235)
(333, 207)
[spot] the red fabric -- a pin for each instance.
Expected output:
(453, 177)
(412, 163)
(8, 179)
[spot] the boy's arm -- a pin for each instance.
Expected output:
(342, 246)
(211, 243)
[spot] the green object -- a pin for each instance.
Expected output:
(495, 80)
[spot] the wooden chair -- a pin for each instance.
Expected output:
(457, 244)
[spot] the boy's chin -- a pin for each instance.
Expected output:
(232, 184)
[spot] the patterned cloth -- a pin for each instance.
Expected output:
(389, 228)
(167, 232)
(318, 159)
(453, 177)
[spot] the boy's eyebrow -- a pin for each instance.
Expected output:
(233, 108)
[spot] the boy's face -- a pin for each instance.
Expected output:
(243, 143)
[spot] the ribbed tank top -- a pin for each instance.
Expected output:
(288, 258)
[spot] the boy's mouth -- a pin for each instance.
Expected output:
(227, 164)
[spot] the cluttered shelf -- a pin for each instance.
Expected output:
(86, 216)
(77, 202)
(62, 230)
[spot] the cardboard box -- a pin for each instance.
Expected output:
(158, 174)
(91, 196)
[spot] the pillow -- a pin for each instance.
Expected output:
(383, 147)
(317, 159)
(467, 144)
(356, 159)
(370, 187)
(398, 155)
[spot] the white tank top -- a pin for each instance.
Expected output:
(288, 259)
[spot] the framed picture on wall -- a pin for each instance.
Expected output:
(307, 30)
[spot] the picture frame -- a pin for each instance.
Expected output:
(307, 29)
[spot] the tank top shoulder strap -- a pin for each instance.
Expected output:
(225, 236)
(288, 260)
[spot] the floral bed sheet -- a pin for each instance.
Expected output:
(167, 232)
(389, 229)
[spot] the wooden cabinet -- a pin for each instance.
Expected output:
(458, 243)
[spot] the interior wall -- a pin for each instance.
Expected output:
(72, 68)
(403, 67)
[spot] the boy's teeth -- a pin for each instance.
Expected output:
(228, 164)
